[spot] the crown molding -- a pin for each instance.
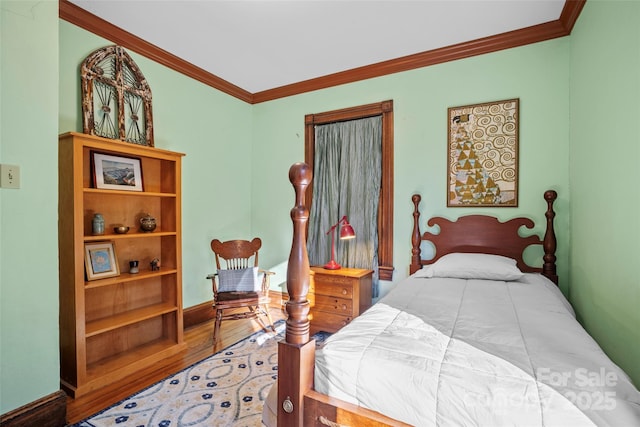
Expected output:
(537, 33)
(534, 34)
(98, 26)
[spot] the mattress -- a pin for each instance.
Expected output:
(443, 351)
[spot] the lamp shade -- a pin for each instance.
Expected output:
(346, 232)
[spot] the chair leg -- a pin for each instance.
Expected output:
(216, 326)
(265, 308)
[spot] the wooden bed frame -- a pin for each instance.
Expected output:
(298, 404)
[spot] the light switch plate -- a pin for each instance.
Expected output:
(9, 176)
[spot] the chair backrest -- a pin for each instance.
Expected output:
(236, 253)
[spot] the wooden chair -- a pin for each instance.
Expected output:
(233, 296)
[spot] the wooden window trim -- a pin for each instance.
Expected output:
(385, 212)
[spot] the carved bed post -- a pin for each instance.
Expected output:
(296, 352)
(549, 243)
(416, 238)
(298, 266)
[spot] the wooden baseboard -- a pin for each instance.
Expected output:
(203, 312)
(197, 314)
(49, 411)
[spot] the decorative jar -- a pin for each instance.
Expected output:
(97, 224)
(147, 223)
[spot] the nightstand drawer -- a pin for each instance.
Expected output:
(333, 305)
(326, 287)
(328, 322)
(337, 297)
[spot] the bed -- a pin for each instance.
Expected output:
(474, 336)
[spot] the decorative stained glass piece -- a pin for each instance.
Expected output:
(105, 107)
(116, 97)
(129, 77)
(106, 68)
(134, 118)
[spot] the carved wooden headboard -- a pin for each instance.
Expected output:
(486, 234)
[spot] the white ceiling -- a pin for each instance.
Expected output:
(263, 44)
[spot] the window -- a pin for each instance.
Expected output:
(385, 206)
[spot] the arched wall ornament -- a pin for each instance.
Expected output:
(116, 99)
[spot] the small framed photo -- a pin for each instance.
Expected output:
(100, 260)
(116, 172)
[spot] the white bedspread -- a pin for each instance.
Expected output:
(454, 352)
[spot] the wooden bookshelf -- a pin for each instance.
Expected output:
(115, 326)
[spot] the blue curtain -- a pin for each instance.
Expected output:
(346, 181)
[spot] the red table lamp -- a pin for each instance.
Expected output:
(346, 232)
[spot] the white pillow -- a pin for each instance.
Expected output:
(473, 266)
(239, 280)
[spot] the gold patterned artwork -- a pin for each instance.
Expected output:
(482, 162)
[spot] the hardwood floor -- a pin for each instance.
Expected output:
(199, 346)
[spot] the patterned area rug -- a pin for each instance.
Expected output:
(226, 389)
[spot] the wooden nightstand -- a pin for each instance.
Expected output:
(337, 297)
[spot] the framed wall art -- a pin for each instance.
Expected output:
(100, 260)
(116, 98)
(482, 154)
(116, 172)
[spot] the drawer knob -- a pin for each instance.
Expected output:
(344, 291)
(287, 405)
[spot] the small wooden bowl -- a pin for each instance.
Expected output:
(121, 229)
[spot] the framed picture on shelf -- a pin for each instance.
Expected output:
(116, 172)
(100, 260)
(482, 155)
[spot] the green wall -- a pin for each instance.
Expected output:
(210, 127)
(567, 87)
(605, 197)
(29, 362)
(537, 74)
(40, 99)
